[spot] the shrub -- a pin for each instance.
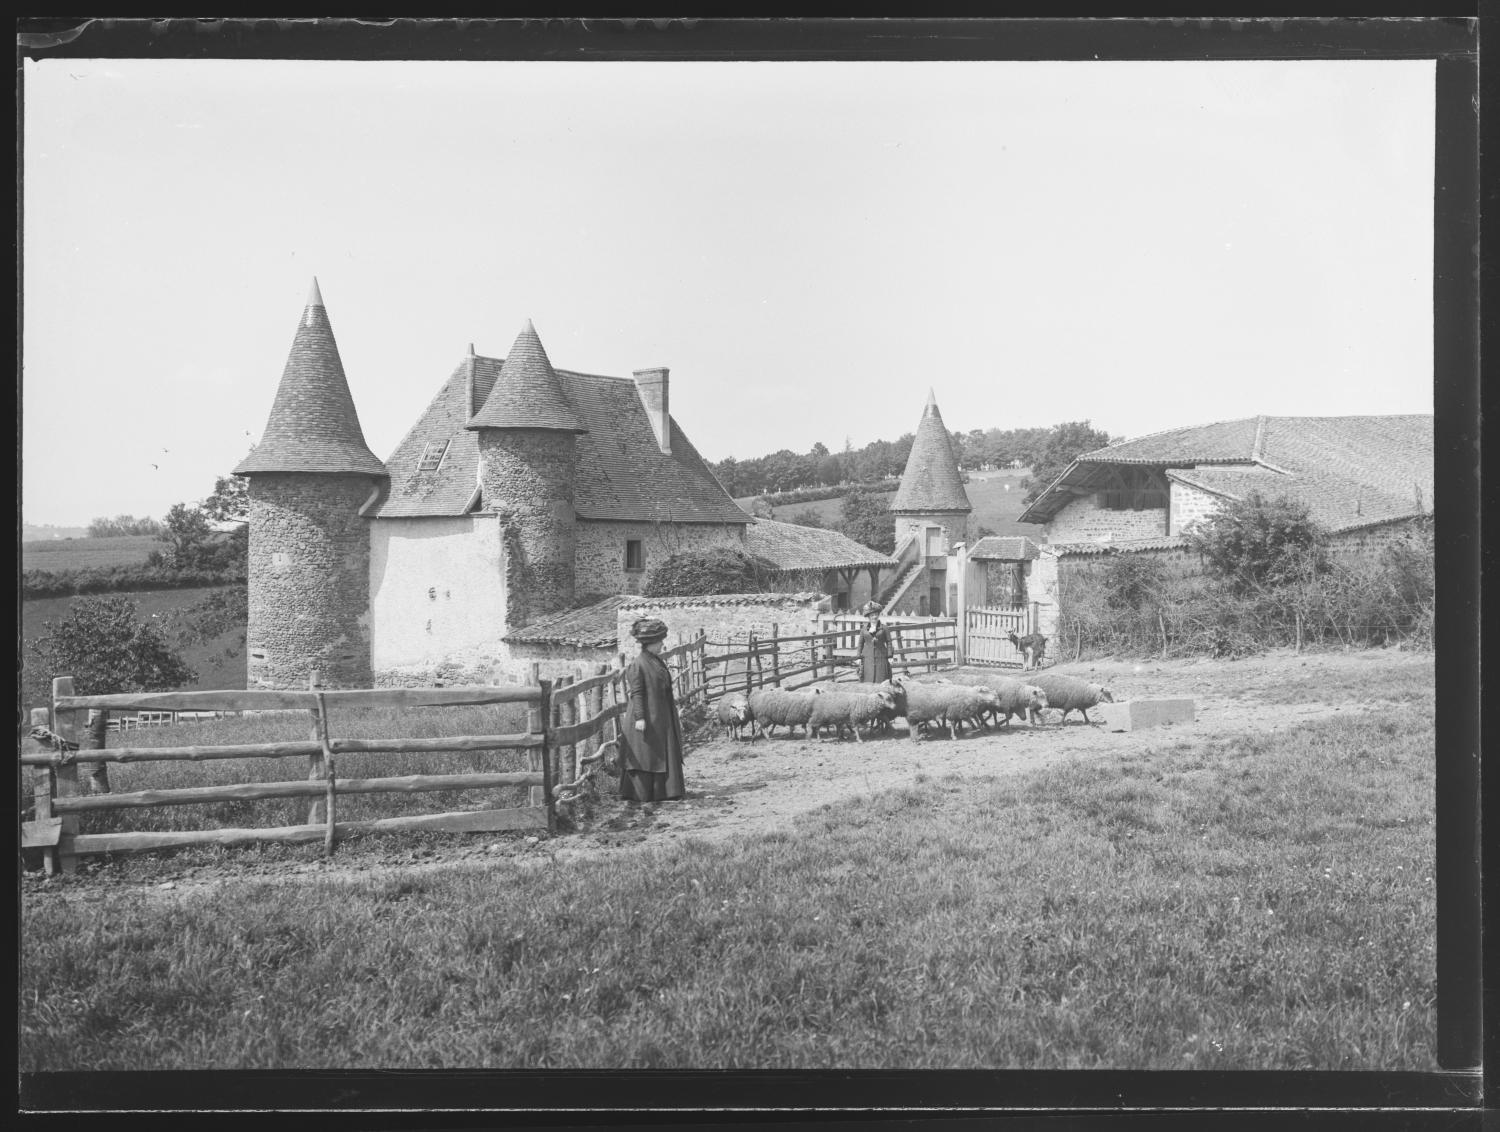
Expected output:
(1256, 542)
(715, 570)
(106, 648)
(807, 517)
(867, 520)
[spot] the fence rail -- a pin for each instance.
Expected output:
(573, 725)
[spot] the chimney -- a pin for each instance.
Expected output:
(651, 384)
(469, 384)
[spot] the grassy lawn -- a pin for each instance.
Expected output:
(82, 553)
(1255, 901)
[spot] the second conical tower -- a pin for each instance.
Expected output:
(528, 464)
(932, 489)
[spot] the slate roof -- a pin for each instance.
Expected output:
(1117, 546)
(592, 626)
(622, 472)
(792, 547)
(526, 392)
(1352, 472)
(1005, 548)
(931, 481)
(313, 426)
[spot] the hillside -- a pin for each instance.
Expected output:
(995, 507)
(214, 669)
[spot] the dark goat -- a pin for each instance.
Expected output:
(1032, 647)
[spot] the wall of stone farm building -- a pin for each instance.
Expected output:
(601, 546)
(1084, 520)
(731, 617)
(527, 476)
(955, 525)
(552, 660)
(437, 599)
(1188, 504)
(1368, 545)
(309, 580)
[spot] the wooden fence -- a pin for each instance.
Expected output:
(58, 800)
(573, 724)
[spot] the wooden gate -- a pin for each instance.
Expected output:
(988, 627)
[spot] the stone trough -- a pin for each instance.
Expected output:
(1136, 715)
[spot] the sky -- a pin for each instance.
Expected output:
(809, 247)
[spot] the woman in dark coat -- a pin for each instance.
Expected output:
(874, 648)
(651, 754)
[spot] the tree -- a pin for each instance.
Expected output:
(122, 525)
(221, 610)
(1065, 443)
(107, 649)
(830, 470)
(713, 570)
(1256, 542)
(186, 537)
(867, 520)
(230, 501)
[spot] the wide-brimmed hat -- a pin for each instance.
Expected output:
(648, 629)
(870, 609)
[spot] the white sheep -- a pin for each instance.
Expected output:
(732, 713)
(953, 704)
(1068, 693)
(775, 707)
(852, 710)
(1015, 696)
(895, 687)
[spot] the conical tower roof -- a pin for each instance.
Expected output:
(931, 481)
(313, 426)
(527, 393)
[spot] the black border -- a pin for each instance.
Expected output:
(450, 1099)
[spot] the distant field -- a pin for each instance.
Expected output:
(230, 673)
(81, 553)
(994, 506)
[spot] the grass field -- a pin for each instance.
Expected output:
(1237, 900)
(82, 553)
(215, 669)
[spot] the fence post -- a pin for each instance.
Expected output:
(595, 708)
(567, 714)
(328, 774)
(65, 726)
(316, 769)
(775, 655)
(545, 711)
(44, 785)
(749, 660)
(98, 728)
(1034, 618)
(536, 724)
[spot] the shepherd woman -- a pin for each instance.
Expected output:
(651, 761)
(874, 647)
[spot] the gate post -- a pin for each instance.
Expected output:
(961, 614)
(65, 726)
(546, 760)
(44, 785)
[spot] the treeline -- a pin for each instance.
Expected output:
(1046, 451)
(122, 525)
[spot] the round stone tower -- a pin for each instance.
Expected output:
(310, 476)
(528, 462)
(932, 490)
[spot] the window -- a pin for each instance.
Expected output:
(635, 554)
(1133, 499)
(432, 456)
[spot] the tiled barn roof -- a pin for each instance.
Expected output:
(313, 426)
(527, 393)
(622, 472)
(793, 547)
(1351, 471)
(931, 481)
(592, 626)
(1005, 548)
(1118, 546)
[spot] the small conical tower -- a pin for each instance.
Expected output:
(528, 463)
(309, 564)
(931, 489)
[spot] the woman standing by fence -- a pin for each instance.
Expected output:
(651, 755)
(874, 647)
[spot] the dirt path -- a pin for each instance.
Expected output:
(741, 788)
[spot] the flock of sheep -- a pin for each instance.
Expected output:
(951, 700)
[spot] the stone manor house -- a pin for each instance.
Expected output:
(522, 495)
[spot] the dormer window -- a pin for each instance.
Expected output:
(432, 456)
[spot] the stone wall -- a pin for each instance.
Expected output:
(1367, 545)
(1083, 520)
(955, 525)
(600, 550)
(527, 475)
(437, 598)
(730, 617)
(309, 588)
(1188, 504)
